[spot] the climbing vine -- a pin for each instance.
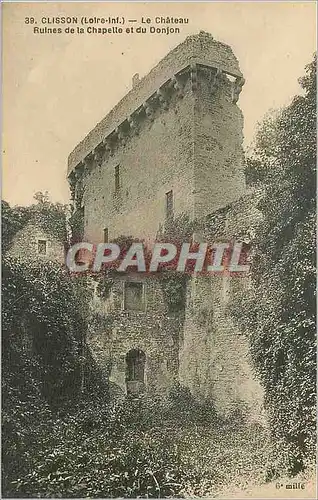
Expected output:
(178, 230)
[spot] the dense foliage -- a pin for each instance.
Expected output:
(279, 311)
(178, 230)
(45, 363)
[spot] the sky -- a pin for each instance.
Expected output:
(57, 87)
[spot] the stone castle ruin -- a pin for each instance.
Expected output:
(171, 146)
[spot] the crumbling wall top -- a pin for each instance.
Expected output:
(200, 49)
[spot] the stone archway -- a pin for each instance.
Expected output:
(135, 371)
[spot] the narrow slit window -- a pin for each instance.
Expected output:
(169, 205)
(105, 234)
(117, 178)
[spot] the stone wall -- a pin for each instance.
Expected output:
(195, 49)
(157, 160)
(218, 136)
(185, 137)
(178, 129)
(154, 331)
(214, 356)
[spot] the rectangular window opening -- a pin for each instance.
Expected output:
(105, 234)
(42, 247)
(134, 296)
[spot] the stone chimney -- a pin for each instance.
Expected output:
(135, 80)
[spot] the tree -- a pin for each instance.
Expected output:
(41, 197)
(279, 313)
(11, 224)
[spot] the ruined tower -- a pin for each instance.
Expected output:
(172, 145)
(174, 142)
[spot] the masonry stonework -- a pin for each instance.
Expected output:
(155, 331)
(178, 132)
(214, 357)
(179, 129)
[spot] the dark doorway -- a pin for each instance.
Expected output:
(135, 371)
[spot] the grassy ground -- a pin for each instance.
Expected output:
(222, 457)
(233, 461)
(144, 452)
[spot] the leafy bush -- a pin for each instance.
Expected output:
(100, 453)
(39, 301)
(182, 406)
(45, 361)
